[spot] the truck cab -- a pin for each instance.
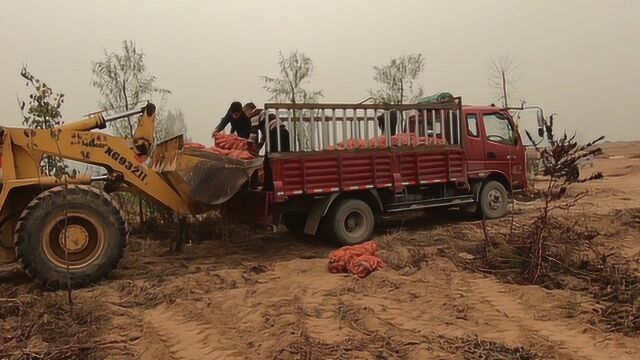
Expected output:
(493, 147)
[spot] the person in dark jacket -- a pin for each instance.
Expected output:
(273, 145)
(258, 126)
(393, 122)
(258, 137)
(240, 123)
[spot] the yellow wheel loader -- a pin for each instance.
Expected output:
(67, 231)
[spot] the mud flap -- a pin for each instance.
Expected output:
(318, 210)
(475, 190)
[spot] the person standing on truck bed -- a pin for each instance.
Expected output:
(240, 123)
(257, 129)
(258, 137)
(393, 122)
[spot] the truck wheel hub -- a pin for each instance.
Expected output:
(77, 238)
(354, 222)
(495, 199)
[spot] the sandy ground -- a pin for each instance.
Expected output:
(268, 295)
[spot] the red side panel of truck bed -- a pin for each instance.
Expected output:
(346, 170)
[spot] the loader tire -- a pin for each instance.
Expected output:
(70, 237)
(349, 222)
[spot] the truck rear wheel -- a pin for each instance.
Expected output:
(493, 200)
(70, 237)
(350, 222)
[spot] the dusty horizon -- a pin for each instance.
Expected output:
(577, 58)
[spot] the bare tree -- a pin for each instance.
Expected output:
(397, 80)
(123, 82)
(504, 76)
(170, 124)
(295, 71)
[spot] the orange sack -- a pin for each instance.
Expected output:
(402, 139)
(234, 153)
(196, 146)
(230, 142)
(364, 265)
(358, 260)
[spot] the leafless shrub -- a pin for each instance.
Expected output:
(531, 250)
(551, 247)
(560, 164)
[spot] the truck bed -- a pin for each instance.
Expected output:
(347, 170)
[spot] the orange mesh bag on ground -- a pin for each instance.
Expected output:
(358, 260)
(364, 265)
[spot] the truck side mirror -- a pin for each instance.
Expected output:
(541, 122)
(540, 118)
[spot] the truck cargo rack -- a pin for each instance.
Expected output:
(320, 127)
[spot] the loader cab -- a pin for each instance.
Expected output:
(493, 146)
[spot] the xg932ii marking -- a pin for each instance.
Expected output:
(136, 170)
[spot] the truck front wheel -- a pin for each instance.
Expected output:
(350, 222)
(493, 200)
(70, 237)
(574, 174)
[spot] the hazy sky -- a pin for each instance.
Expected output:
(578, 58)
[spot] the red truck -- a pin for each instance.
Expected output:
(349, 162)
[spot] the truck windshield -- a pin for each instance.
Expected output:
(498, 129)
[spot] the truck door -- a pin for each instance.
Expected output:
(503, 148)
(473, 144)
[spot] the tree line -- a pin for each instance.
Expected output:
(124, 83)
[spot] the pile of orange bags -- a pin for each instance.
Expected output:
(403, 139)
(230, 142)
(229, 145)
(357, 260)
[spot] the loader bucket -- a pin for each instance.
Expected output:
(201, 178)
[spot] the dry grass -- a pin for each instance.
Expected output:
(615, 282)
(476, 348)
(43, 326)
(572, 256)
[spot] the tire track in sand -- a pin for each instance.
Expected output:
(571, 340)
(188, 339)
